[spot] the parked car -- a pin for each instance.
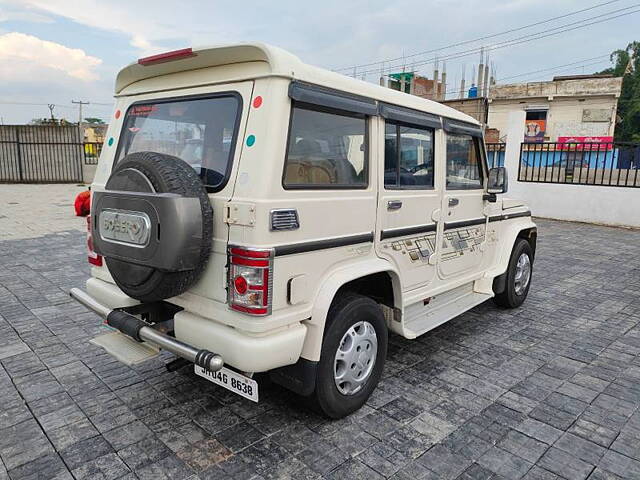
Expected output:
(321, 214)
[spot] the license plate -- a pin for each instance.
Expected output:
(237, 383)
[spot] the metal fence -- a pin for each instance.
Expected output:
(495, 154)
(44, 154)
(614, 164)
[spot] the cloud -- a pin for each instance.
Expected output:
(19, 14)
(25, 55)
(136, 20)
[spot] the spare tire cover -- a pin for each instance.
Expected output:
(151, 172)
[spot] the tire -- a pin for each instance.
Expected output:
(153, 172)
(348, 312)
(515, 292)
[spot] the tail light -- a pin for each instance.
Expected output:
(250, 280)
(93, 257)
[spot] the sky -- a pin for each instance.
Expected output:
(56, 51)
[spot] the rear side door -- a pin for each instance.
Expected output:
(410, 194)
(462, 202)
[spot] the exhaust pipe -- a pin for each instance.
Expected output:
(143, 332)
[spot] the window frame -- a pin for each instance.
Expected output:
(202, 96)
(333, 111)
(397, 186)
(481, 162)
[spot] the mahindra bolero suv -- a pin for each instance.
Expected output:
(251, 213)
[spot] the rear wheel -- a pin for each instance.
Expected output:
(518, 276)
(354, 349)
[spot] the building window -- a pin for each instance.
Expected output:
(535, 126)
(408, 156)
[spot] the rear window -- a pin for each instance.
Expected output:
(200, 131)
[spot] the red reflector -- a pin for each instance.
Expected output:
(255, 311)
(97, 261)
(241, 285)
(249, 263)
(167, 56)
(250, 253)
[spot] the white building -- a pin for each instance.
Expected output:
(569, 106)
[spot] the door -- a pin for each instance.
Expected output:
(463, 207)
(410, 197)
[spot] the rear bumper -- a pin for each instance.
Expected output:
(246, 351)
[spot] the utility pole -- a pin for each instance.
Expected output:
(51, 106)
(80, 103)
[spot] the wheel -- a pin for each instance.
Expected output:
(518, 278)
(157, 173)
(354, 349)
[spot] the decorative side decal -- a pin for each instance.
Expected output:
(455, 243)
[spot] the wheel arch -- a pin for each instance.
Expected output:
(375, 279)
(527, 231)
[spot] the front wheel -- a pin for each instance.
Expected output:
(518, 278)
(353, 353)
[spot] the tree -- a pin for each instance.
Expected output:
(627, 65)
(55, 122)
(94, 121)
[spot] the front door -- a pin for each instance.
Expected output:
(410, 195)
(462, 207)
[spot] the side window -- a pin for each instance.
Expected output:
(408, 156)
(327, 149)
(464, 170)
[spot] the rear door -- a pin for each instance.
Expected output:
(462, 203)
(410, 194)
(204, 127)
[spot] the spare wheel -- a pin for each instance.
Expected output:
(153, 225)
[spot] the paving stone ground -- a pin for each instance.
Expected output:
(28, 211)
(547, 391)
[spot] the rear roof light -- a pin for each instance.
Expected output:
(166, 57)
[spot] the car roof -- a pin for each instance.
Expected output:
(281, 64)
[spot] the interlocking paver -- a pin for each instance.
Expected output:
(547, 391)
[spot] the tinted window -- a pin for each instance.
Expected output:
(199, 131)
(326, 149)
(463, 163)
(408, 156)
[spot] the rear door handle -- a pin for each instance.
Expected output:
(394, 204)
(453, 202)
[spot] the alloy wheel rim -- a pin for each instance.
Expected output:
(523, 273)
(355, 358)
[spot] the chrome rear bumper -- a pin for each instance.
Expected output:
(142, 331)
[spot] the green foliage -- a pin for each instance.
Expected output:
(51, 122)
(94, 120)
(628, 130)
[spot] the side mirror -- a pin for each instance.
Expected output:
(498, 181)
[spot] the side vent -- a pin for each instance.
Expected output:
(284, 219)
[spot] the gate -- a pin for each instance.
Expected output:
(40, 154)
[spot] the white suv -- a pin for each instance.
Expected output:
(313, 214)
